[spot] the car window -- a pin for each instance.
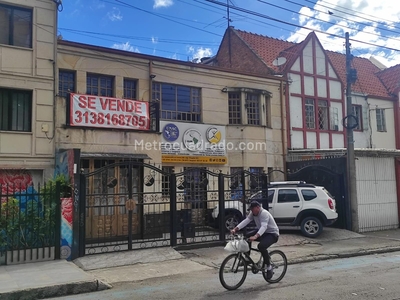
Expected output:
(271, 194)
(288, 195)
(329, 194)
(308, 195)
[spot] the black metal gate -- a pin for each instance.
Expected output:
(132, 205)
(329, 173)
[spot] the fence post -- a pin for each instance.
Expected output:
(57, 235)
(264, 187)
(81, 194)
(221, 206)
(172, 208)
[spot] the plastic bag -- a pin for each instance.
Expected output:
(237, 245)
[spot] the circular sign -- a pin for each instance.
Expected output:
(171, 132)
(192, 139)
(213, 135)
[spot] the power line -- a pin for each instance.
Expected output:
(338, 16)
(163, 17)
(349, 9)
(159, 40)
(314, 18)
(291, 24)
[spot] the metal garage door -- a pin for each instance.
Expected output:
(376, 193)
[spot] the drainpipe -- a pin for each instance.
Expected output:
(282, 99)
(55, 81)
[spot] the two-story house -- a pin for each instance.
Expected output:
(316, 107)
(128, 120)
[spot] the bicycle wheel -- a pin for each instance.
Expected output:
(233, 271)
(279, 266)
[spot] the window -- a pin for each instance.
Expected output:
(253, 108)
(288, 195)
(130, 89)
(380, 120)
(310, 114)
(165, 181)
(234, 104)
(99, 85)
(15, 110)
(323, 115)
(66, 82)
(271, 194)
(15, 26)
(357, 112)
(308, 195)
(334, 118)
(178, 102)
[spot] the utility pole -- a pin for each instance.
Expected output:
(351, 76)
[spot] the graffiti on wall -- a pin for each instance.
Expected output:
(66, 227)
(14, 181)
(65, 165)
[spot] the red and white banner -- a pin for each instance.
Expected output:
(106, 112)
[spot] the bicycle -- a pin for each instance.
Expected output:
(241, 262)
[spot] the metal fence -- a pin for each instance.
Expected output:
(132, 205)
(30, 221)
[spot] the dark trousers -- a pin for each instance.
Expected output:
(265, 241)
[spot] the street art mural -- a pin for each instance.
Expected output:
(13, 181)
(66, 227)
(65, 166)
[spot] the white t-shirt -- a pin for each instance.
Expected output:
(264, 222)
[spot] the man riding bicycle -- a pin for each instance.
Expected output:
(267, 233)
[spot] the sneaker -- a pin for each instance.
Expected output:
(269, 274)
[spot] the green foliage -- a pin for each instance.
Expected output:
(30, 227)
(49, 188)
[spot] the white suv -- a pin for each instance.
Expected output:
(292, 203)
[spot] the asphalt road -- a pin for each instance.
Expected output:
(365, 277)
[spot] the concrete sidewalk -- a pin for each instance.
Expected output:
(46, 279)
(98, 272)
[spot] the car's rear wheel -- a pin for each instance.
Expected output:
(231, 221)
(311, 227)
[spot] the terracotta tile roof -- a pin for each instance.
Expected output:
(390, 77)
(267, 48)
(270, 48)
(367, 81)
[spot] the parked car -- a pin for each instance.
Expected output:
(292, 203)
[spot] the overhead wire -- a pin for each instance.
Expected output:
(331, 15)
(291, 24)
(374, 19)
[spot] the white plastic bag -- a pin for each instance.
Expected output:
(237, 245)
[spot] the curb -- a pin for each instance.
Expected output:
(313, 258)
(59, 290)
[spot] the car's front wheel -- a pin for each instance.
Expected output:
(311, 227)
(231, 221)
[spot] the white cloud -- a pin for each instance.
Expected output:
(372, 22)
(114, 14)
(154, 40)
(199, 53)
(162, 3)
(126, 47)
(96, 4)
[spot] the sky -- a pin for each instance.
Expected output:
(188, 30)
